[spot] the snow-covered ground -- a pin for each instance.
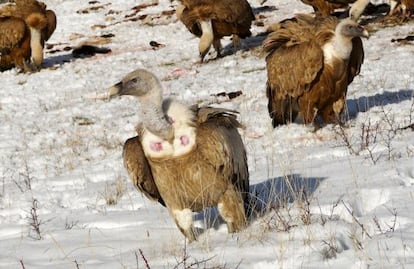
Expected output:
(337, 197)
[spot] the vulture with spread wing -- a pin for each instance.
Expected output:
(310, 63)
(213, 19)
(24, 27)
(186, 158)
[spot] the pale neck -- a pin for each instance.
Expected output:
(152, 114)
(36, 47)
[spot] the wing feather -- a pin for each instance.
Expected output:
(139, 169)
(226, 152)
(12, 32)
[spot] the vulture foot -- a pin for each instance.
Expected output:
(184, 220)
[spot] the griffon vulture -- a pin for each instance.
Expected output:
(213, 19)
(327, 7)
(23, 8)
(187, 158)
(405, 7)
(20, 41)
(40, 25)
(310, 63)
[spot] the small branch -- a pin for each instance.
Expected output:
(145, 259)
(356, 220)
(21, 262)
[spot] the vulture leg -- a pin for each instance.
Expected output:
(236, 43)
(308, 110)
(231, 208)
(217, 46)
(184, 220)
(206, 38)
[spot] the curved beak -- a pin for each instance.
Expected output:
(115, 90)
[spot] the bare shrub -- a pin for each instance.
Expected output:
(114, 191)
(25, 179)
(34, 220)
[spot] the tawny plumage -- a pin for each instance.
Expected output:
(187, 158)
(24, 27)
(310, 63)
(213, 19)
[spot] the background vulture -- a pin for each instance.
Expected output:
(212, 19)
(24, 27)
(310, 63)
(405, 7)
(187, 158)
(328, 7)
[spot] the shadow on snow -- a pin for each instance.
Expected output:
(265, 196)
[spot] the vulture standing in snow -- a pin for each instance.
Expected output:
(310, 63)
(24, 27)
(404, 7)
(327, 7)
(213, 19)
(186, 158)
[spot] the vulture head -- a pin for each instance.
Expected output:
(341, 44)
(168, 126)
(350, 29)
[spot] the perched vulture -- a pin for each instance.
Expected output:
(310, 63)
(213, 19)
(24, 27)
(186, 158)
(327, 7)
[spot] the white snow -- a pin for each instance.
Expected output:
(61, 146)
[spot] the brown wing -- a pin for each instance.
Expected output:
(139, 170)
(226, 152)
(12, 32)
(291, 70)
(356, 59)
(51, 25)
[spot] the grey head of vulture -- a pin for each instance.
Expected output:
(310, 63)
(213, 19)
(186, 157)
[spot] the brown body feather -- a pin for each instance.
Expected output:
(299, 78)
(214, 172)
(228, 17)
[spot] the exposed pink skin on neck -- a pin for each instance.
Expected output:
(156, 146)
(184, 140)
